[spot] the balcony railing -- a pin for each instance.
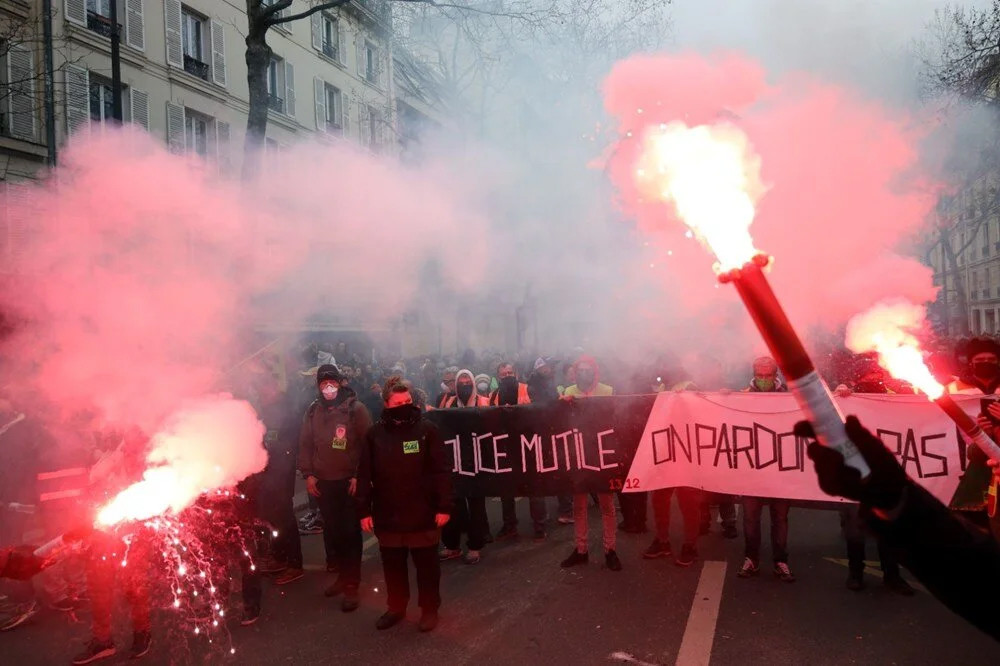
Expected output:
(196, 67)
(101, 24)
(275, 103)
(330, 50)
(376, 9)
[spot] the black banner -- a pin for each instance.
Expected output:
(542, 450)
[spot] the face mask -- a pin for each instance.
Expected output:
(402, 414)
(985, 371)
(764, 384)
(464, 392)
(508, 382)
(329, 392)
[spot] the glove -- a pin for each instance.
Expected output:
(883, 489)
(22, 563)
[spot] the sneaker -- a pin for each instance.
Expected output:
(782, 571)
(449, 554)
(540, 535)
(269, 565)
(749, 569)
(898, 585)
(18, 615)
(855, 582)
(250, 616)
(288, 576)
(657, 549)
(575, 558)
(389, 619)
(508, 532)
(334, 590)
(611, 561)
(95, 651)
(565, 520)
(687, 557)
(351, 599)
(428, 620)
(729, 531)
(141, 641)
(473, 557)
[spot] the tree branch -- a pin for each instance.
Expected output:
(333, 4)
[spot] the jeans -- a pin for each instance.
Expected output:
(854, 533)
(278, 508)
(689, 500)
(727, 510)
(608, 521)
(536, 507)
(469, 517)
(397, 577)
(103, 563)
(341, 529)
(752, 509)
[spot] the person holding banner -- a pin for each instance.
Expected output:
(587, 385)
(766, 380)
(470, 512)
(404, 496)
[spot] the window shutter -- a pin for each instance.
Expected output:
(345, 108)
(218, 53)
(289, 89)
(319, 95)
(77, 99)
(139, 100)
(135, 30)
(380, 68)
(17, 214)
(316, 22)
(222, 143)
(342, 42)
(366, 125)
(172, 28)
(359, 44)
(20, 75)
(175, 128)
(76, 11)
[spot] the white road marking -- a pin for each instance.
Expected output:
(699, 635)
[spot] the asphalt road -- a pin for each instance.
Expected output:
(519, 607)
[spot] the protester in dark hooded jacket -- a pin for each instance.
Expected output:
(330, 444)
(404, 496)
(542, 383)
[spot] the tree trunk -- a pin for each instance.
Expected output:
(258, 56)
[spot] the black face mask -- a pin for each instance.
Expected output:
(402, 415)
(464, 392)
(985, 371)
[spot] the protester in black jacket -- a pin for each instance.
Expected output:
(404, 496)
(955, 560)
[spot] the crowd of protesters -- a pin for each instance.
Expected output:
(352, 428)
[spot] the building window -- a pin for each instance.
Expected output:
(99, 17)
(334, 109)
(276, 84)
(371, 129)
(196, 132)
(102, 99)
(371, 62)
(331, 37)
(193, 32)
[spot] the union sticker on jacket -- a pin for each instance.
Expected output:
(411, 447)
(340, 441)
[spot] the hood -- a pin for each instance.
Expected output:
(592, 362)
(467, 373)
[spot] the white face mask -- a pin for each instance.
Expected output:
(329, 392)
(483, 388)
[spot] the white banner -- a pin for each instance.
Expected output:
(742, 443)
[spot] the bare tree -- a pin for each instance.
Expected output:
(961, 54)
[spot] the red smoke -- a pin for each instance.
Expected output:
(844, 199)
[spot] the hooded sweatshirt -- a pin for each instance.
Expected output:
(475, 400)
(597, 389)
